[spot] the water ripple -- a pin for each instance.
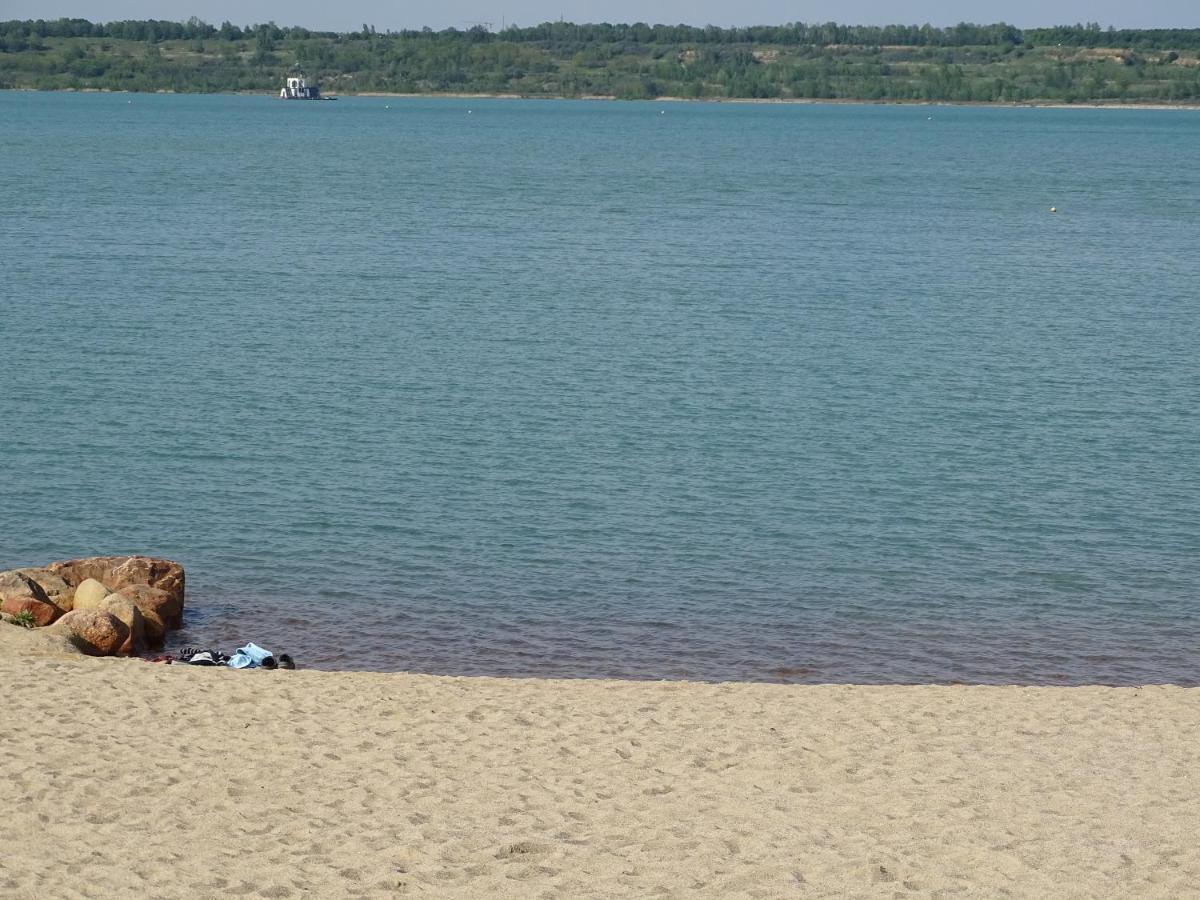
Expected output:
(787, 394)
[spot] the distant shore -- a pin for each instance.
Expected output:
(798, 101)
(793, 101)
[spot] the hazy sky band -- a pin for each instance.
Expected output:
(343, 15)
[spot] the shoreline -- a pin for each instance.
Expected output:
(786, 101)
(331, 783)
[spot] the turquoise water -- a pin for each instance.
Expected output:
(816, 393)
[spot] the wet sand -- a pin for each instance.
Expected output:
(123, 777)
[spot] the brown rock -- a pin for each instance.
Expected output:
(60, 593)
(157, 573)
(43, 611)
(117, 572)
(94, 631)
(14, 584)
(161, 611)
(126, 611)
(76, 571)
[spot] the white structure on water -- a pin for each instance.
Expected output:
(298, 89)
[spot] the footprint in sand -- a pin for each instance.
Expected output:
(882, 875)
(522, 848)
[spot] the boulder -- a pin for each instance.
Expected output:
(157, 573)
(94, 631)
(89, 594)
(60, 593)
(126, 611)
(75, 571)
(116, 572)
(14, 584)
(161, 611)
(154, 588)
(43, 611)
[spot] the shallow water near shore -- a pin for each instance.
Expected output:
(709, 391)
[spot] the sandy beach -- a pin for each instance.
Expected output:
(123, 777)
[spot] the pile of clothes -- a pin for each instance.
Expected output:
(251, 656)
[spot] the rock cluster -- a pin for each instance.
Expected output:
(103, 605)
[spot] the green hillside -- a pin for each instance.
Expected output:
(964, 63)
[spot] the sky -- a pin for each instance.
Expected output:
(343, 15)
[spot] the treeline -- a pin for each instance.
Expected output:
(31, 32)
(1092, 35)
(979, 63)
(825, 34)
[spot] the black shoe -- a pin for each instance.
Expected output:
(269, 663)
(286, 662)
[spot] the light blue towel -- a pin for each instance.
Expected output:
(248, 657)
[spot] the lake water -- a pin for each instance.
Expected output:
(713, 391)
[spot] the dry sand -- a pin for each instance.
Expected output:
(125, 778)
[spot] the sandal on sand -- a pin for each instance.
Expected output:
(286, 662)
(269, 663)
